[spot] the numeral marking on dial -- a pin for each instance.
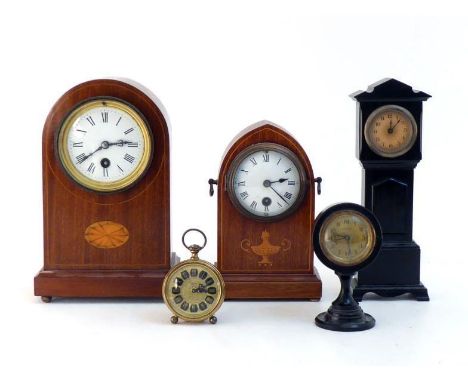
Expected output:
(242, 183)
(266, 209)
(244, 171)
(78, 144)
(80, 158)
(120, 168)
(253, 205)
(291, 182)
(244, 195)
(266, 157)
(132, 144)
(279, 160)
(129, 158)
(128, 131)
(105, 116)
(90, 120)
(288, 195)
(81, 131)
(117, 124)
(279, 204)
(288, 170)
(105, 171)
(254, 162)
(91, 168)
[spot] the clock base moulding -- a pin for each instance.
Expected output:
(387, 277)
(284, 286)
(104, 283)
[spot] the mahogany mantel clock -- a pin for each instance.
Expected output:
(389, 127)
(106, 194)
(266, 200)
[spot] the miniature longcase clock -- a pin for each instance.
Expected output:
(266, 200)
(106, 194)
(389, 147)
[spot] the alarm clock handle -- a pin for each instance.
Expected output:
(211, 182)
(318, 180)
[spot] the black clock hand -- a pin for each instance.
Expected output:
(91, 154)
(391, 128)
(277, 193)
(281, 180)
(120, 143)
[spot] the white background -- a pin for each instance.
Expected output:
(219, 67)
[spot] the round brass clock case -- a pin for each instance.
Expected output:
(94, 131)
(266, 182)
(390, 131)
(194, 289)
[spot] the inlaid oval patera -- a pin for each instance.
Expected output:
(106, 234)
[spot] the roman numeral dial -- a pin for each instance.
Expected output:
(105, 145)
(266, 181)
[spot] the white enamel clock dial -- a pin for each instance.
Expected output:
(266, 181)
(105, 145)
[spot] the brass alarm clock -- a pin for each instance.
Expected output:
(194, 289)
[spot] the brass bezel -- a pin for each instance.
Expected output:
(367, 128)
(336, 260)
(94, 185)
(201, 263)
(265, 146)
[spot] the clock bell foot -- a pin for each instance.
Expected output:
(213, 320)
(419, 292)
(345, 314)
(46, 299)
(345, 321)
(174, 320)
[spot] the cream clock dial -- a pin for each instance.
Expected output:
(105, 145)
(266, 181)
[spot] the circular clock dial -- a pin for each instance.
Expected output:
(266, 181)
(105, 145)
(193, 290)
(390, 131)
(347, 238)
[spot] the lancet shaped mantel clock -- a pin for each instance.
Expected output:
(389, 123)
(105, 193)
(266, 200)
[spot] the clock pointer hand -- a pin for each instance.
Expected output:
(391, 128)
(277, 193)
(281, 180)
(120, 143)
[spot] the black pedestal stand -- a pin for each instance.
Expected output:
(345, 314)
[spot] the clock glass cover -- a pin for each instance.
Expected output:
(390, 131)
(347, 238)
(193, 290)
(266, 181)
(105, 145)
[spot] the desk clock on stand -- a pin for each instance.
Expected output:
(389, 127)
(347, 238)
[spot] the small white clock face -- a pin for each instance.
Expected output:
(105, 145)
(266, 181)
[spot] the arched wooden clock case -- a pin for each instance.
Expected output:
(73, 266)
(289, 272)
